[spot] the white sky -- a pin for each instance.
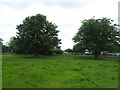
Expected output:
(66, 14)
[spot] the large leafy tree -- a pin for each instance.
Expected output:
(97, 35)
(36, 35)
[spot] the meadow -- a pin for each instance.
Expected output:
(59, 71)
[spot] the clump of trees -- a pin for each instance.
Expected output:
(36, 35)
(97, 35)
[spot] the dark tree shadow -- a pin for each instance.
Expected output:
(102, 58)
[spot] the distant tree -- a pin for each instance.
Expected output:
(68, 50)
(1, 41)
(36, 35)
(97, 35)
(1, 45)
(78, 48)
(5, 49)
(57, 50)
(12, 45)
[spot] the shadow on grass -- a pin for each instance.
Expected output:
(71, 56)
(91, 57)
(34, 57)
(85, 57)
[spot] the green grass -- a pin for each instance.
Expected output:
(59, 71)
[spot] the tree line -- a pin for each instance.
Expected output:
(36, 35)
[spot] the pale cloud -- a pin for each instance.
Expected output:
(101, 8)
(67, 15)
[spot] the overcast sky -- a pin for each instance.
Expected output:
(66, 14)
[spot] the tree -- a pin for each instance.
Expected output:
(97, 35)
(5, 49)
(1, 45)
(68, 50)
(36, 35)
(1, 41)
(79, 48)
(11, 45)
(57, 50)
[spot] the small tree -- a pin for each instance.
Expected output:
(96, 35)
(1, 45)
(79, 48)
(68, 50)
(36, 35)
(5, 49)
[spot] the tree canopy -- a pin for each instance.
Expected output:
(96, 35)
(1, 41)
(68, 50)
(36, 35)
(1, 45)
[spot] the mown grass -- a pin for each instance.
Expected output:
(59, 71)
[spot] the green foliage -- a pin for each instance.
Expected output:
(1, 41)
(59, 71)
(36, 35)
(1, 47)
(97, 35)
(68, 50)
(5, 49)
(79, 47)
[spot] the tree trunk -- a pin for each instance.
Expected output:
(35, 55)
(96, 54)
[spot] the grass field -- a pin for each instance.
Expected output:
(59, 71)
